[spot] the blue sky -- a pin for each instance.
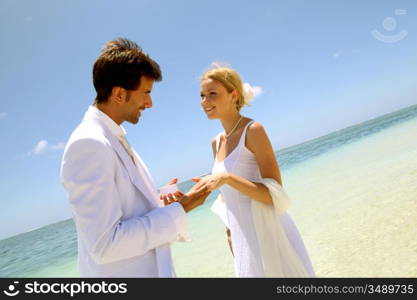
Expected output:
(317, 62)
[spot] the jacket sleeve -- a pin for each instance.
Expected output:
(88, 174)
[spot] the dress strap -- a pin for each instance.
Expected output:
(218, 142)
(241, 145)
(243, 136)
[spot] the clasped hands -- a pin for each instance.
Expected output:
(198, 193)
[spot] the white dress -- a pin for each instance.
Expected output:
(247, 258)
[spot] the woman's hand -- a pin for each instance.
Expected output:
(212, 182)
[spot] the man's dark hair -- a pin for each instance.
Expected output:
(122, 63)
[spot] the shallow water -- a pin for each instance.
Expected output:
(354, 200)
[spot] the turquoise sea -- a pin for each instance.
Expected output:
(354, 202)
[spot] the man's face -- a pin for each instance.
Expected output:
(138, 100)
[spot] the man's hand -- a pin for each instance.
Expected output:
(171, 197)
(194, 198)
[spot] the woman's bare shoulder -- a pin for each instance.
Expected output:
(256, 130)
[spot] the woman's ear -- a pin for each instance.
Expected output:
(235, 97)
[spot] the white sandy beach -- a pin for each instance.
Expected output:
(357, 206)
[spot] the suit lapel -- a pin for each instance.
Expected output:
(138, 173)
(138, 178)
(146, 175)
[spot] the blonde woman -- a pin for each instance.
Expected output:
(265, 242)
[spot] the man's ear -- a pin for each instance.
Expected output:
(118, 94)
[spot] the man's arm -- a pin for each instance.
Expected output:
(88, 175)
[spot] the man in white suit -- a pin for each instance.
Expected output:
(123, 228)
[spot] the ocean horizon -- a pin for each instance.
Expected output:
(355, 156)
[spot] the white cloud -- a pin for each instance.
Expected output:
(336, 54)
(40, 147)
(257, 90)
(2, 115)
(59, 146)
(43, 146)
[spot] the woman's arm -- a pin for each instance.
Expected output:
(258, 142)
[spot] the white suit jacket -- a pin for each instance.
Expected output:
(122, 229)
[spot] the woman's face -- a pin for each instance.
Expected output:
(216, 101)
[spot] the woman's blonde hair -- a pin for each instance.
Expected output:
(230, 79)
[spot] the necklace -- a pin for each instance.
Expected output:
(231, 131)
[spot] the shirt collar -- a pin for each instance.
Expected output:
(117, 130)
